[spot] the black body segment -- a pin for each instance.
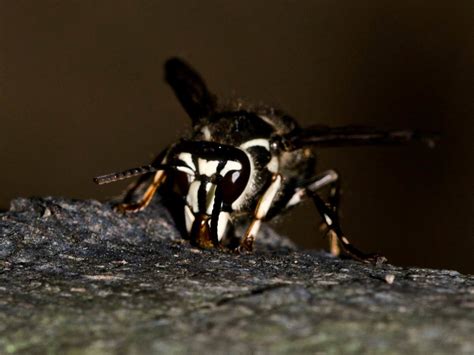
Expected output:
(323, 136)
(190, 89)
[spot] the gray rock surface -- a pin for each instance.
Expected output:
(75, 277)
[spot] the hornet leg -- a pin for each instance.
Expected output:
(260, 213)
(327, 178)
(330, 213)
(158, 179)
(332, 222)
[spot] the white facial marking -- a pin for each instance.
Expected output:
(210, 197)
(230, 165)
(268, 197)
(261, 142)
(185, 169)
(192, 197)
(188, 159)
(273, 164)
(189, 218)
(201, 165)
(248, 190)
(222, 224)
(344, 239)
(207, 167)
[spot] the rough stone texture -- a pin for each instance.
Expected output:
(78, 278)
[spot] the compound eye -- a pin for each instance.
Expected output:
(180, 182)
(233, 184)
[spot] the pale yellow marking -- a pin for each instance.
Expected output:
(267, 199)
(189, 218)
(261, 211)
(333, 244)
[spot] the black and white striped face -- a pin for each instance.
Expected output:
(214, 180)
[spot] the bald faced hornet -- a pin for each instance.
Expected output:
(248, 163)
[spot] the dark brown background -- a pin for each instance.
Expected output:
(81, 93)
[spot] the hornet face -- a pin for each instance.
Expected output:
(213, 179)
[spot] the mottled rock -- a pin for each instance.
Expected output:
(75, 277)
